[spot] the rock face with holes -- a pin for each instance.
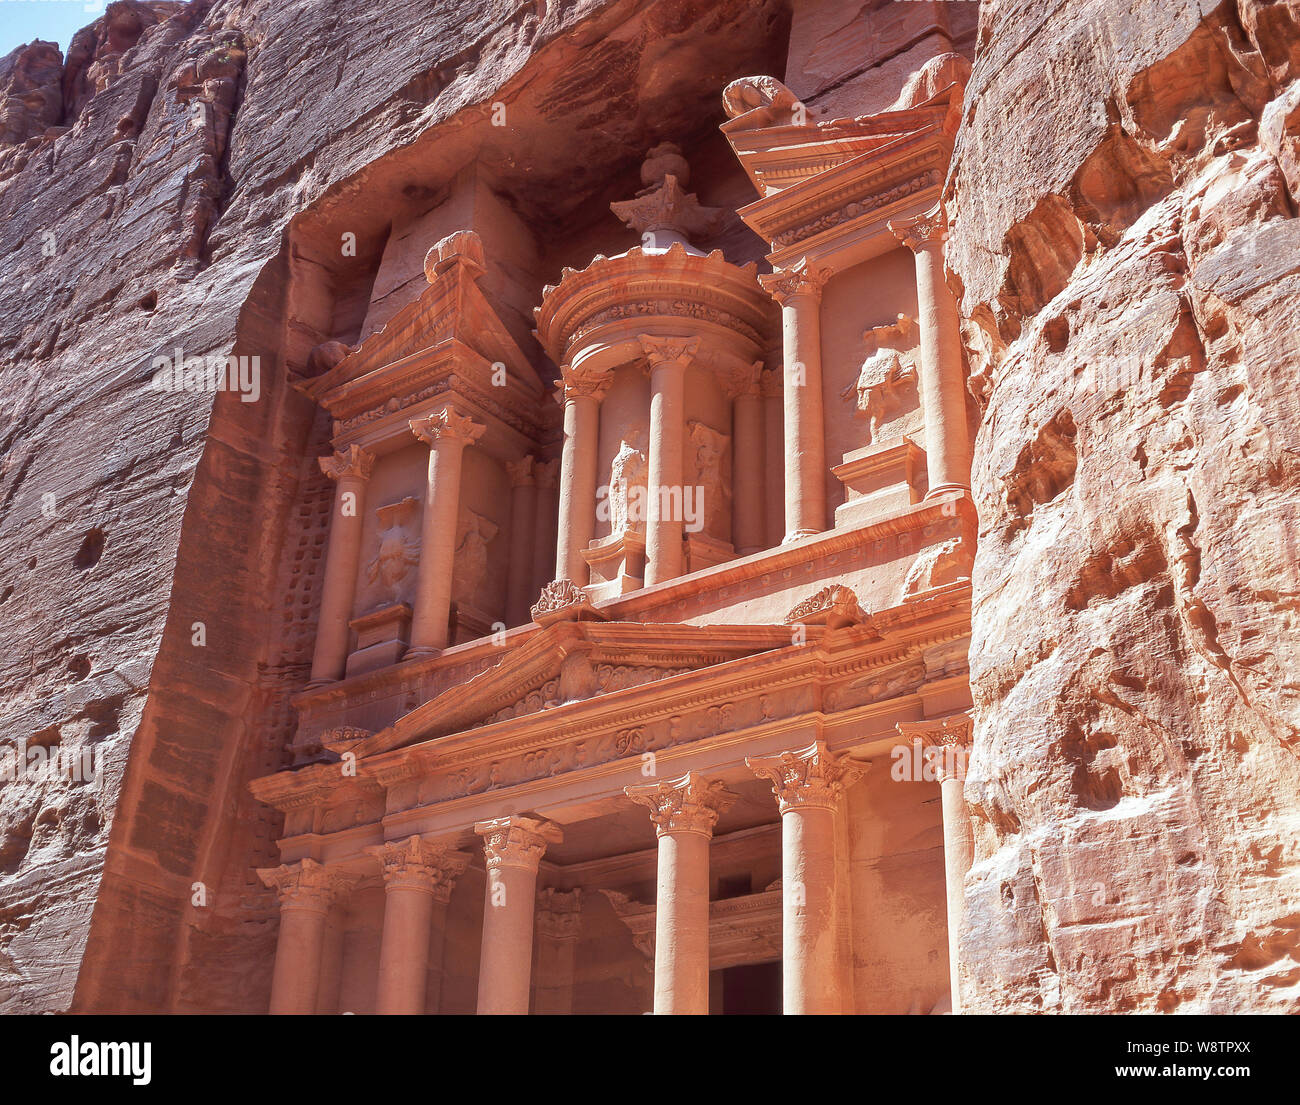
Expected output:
(1133, 302)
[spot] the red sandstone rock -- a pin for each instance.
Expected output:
(373, 204)
(1133, 296)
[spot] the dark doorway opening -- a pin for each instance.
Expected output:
(751, 989)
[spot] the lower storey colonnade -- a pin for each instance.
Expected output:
(529, 952)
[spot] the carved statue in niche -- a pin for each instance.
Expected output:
(399, 551)
(476, 533)
(888, 376)
(627, 486)
(708, 466)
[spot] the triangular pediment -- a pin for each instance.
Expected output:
(570, 663)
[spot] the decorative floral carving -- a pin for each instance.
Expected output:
(807, 778)
(417, 864)
(343, 738)
(559, 913)
(924, 230)
(690, 804)
(517, 841)
(929, 179)
(801, 278)
(352, 461)
(448, 426)
(581, 385)
(562, 600)
(305, 884)
(670, 352)
(834, 607)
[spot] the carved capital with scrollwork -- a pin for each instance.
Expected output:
(353, 461)
(804, 279)
(744, 381)
(947, 739)
(668, 352)
(522, 472)
(417, 864)
(305, 885)
(578, 384)
(812, 777)
(559, 913)
(925, 231)
(447, 427)
(517, 841)
(690, 804)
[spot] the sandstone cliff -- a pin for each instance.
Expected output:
(1125, 238)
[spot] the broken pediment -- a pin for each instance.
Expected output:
(572, 662)
(449, 337)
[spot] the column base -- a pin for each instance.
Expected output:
(946, 489)
(316, 684)
(420, 652)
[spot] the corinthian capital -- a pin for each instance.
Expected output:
(559, 913)
(522, 472)
(352, 461)
(416, 864)
(305, 884)
(447, 427)
(668, 352)
(578, 384)
(690, 804)
(930, 228)
(517, 841)
(800, 279)
(744, 380)
(809, 777)
(947, 741)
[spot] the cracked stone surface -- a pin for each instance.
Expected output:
(1135, 782)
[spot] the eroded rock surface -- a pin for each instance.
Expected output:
(1125, 238)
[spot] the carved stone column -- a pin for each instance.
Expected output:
(747, 462)
(798, 291)
(809, 785)
(523, 539)
(684, 812)
(948, 740)
(667, 359)
(513, 847)
(581, 397)
(559, 923)
(350, 469)
(413, 872)
(446, 433)
(943, 387)
(306, 890)
(772, 392)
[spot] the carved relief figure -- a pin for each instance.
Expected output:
(884, 388)
(399, 551)
(627, 486)
(709, 467)
(476, 533)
